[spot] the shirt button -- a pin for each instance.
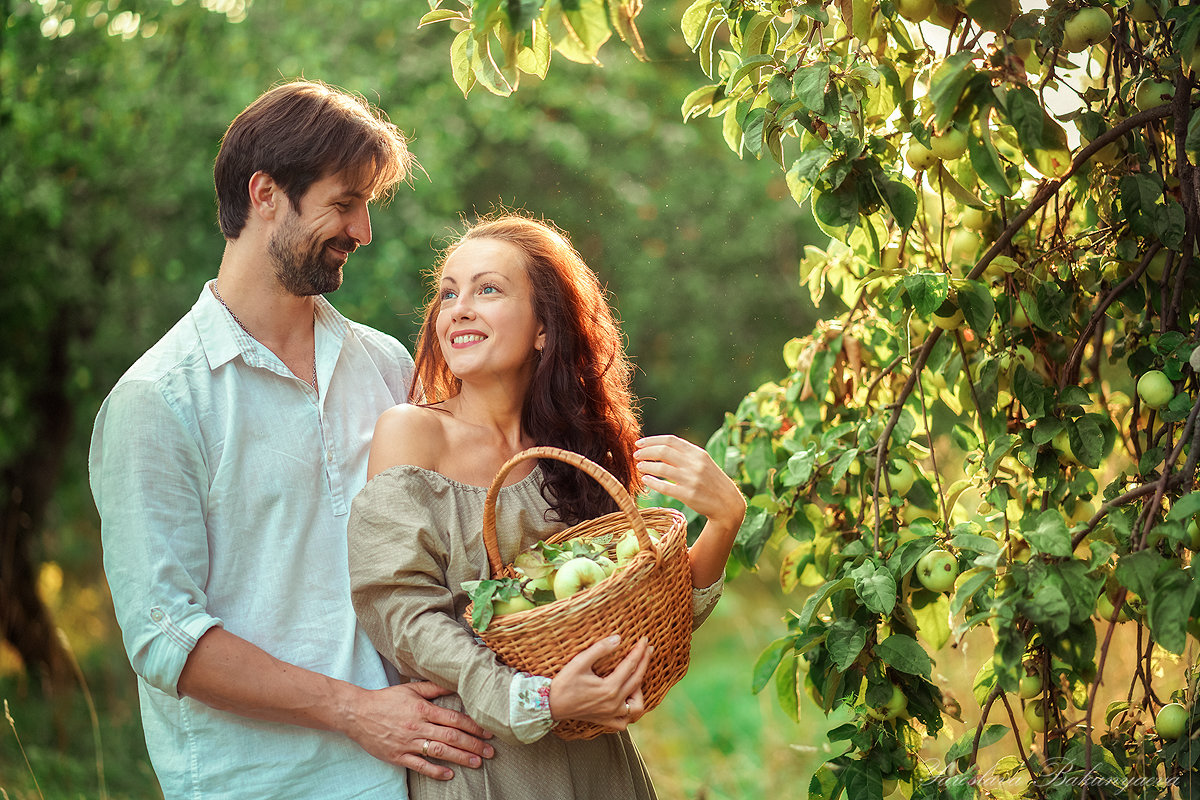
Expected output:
(156, 614)
(329, 457)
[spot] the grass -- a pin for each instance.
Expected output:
(711, 739)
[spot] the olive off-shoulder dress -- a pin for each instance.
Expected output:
(415, 537)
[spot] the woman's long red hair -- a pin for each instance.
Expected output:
(579, 398)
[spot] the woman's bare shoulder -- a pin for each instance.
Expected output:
(408, 434)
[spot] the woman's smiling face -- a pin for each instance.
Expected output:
(486, 323)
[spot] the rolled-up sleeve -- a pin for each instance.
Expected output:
(150, 482)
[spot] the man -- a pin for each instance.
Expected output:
(223, 465)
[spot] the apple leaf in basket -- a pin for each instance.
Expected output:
(483, 593)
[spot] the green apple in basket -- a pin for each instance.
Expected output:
(576, 575)
(628, 546)
(537, 573)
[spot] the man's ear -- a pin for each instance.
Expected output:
(265, 195)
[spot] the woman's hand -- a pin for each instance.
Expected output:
(684, 471)
(614, 701)
(680, 469)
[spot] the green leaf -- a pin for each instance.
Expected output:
(752, 536)
(1170, 605)
(932, 613)
(824, 781)
(1168, 223)
(787, 690)
(927, 290)
(460, 62)
(806, 170)
(949, 81)
(1048, 608)
(1046, 429)
(905, 654)
(1025, 114)
(815, 601)
(844, 641)
(966, 743)
(842, 465)
(699, 101)
(769, 660)
(1185, 507)
(752, 130)
(747, 66)
(908, 554)
(439, 15)
(1139, 196)
(695, 18)
(1048, 533)
(901, 200)
(986, 161)
(1192, 143)
(875, 587)
(810, 83)
(1074, 395)
(1030, 390)
(998, 449)
(975, 300)
(1138, 571)
(968, 584)
(1087, 441)
(481, 594)
(984, 545)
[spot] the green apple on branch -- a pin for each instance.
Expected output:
(1171, 721)
(1035, 716)
(1155, 389)
(920, 157)
(937, 569)
(895, 706)
(1086, 27)
(915, 10)
(1030, 686)
(949, 144)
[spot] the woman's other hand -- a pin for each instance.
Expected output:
(679, 469)
(615, 700)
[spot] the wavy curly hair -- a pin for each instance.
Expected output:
(579, 398)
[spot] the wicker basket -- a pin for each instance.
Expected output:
(649, 596)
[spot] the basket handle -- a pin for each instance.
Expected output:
(599, 473)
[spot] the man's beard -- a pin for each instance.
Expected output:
(302, 265)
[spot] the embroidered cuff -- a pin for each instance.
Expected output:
(529, 707)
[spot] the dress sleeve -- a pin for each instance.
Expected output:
(150, 484)
(705, 600)
(400, 551)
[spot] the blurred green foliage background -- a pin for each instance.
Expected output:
(111, 112)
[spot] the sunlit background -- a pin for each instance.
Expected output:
(110, 116)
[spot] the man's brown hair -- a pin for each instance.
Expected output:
(298, 133)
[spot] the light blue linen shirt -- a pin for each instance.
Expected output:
(224, 484)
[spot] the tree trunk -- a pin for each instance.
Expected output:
(29, 480)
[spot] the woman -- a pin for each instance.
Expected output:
(518, 348)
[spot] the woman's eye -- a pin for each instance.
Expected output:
(448, 294)
(488, 290)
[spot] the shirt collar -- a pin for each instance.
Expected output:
(223, 339)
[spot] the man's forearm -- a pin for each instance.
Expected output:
(229, 673)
